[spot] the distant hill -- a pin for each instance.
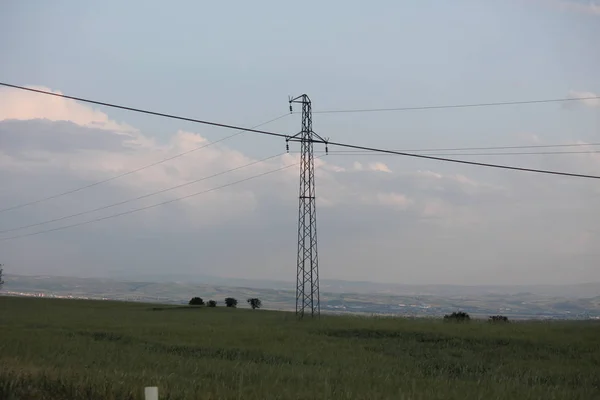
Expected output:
(583, 290)
(336, 296)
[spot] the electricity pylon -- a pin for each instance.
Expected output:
(307, 273)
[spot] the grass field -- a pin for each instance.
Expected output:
(68, 349)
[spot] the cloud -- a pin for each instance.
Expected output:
(60, 137)
(434, 214)
(21, 105)
(374, 166)
(583, 7)
(586, 97)
(72, 144)
(394, 200)
(379, 166)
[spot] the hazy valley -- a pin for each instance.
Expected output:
(548, 302)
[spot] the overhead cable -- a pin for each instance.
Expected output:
(147, 207)
(140, 197)
(344, 145)
(112, 178)
(448, 106)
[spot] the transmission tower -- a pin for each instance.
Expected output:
(307, 273)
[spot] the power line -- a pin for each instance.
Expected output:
(288, 138)
(150, 206)
(458, 161)
(531, 146)
(243, 180)
(132, 171)
(471, 105)
(363, 153)
(325, 112)
(139, 110)
(140, 197)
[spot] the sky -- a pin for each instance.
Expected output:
(381, 218)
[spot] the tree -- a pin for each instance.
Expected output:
(255, 303)
(231, 302)
(196, 301)
(1, 280)
(498, 318)
(460, 316)
(211, 303)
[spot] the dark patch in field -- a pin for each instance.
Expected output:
(489, 349)
(572, 381)
(452, 369)
(420, 337)
(464, 363)
(231, 354)
(177, 308)
(42, 386)
(37, 326)
(107, 336)
(361, 333)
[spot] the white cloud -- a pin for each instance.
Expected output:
(379, 166)
(91, 147)
(586, 98)
(441, 182)
(21, 105)
(369, 201)
(374, 166)
(394, 200)
(430, 174)
(464, 180)
(434, 208)
(578, 6)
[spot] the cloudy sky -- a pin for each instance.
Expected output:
(380, 218)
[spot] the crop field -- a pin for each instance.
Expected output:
(70, 349)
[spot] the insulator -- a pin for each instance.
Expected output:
(326, 149)
(287, 147)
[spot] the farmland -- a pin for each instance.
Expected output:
(77, 349)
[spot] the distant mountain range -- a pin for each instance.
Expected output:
(582, 290)
(560, 301)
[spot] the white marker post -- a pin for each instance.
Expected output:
(151, 393)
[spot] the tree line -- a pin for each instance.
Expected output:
(230, 302)
(462, 316)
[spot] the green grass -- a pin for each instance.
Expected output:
(68, 349)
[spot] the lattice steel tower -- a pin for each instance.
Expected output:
(307, 274)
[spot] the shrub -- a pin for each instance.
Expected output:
(211, 303)
(231, 302)
(196, 301)
(498, 318)
(459, 316)
(255, 303)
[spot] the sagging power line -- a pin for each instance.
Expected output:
(307, 289)
(514, 153)
(142, 111)
(458, 161)
(112, 178)
(140, 197)
(150, 206)
(530, 146)
(338, 144)
(448, 106)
